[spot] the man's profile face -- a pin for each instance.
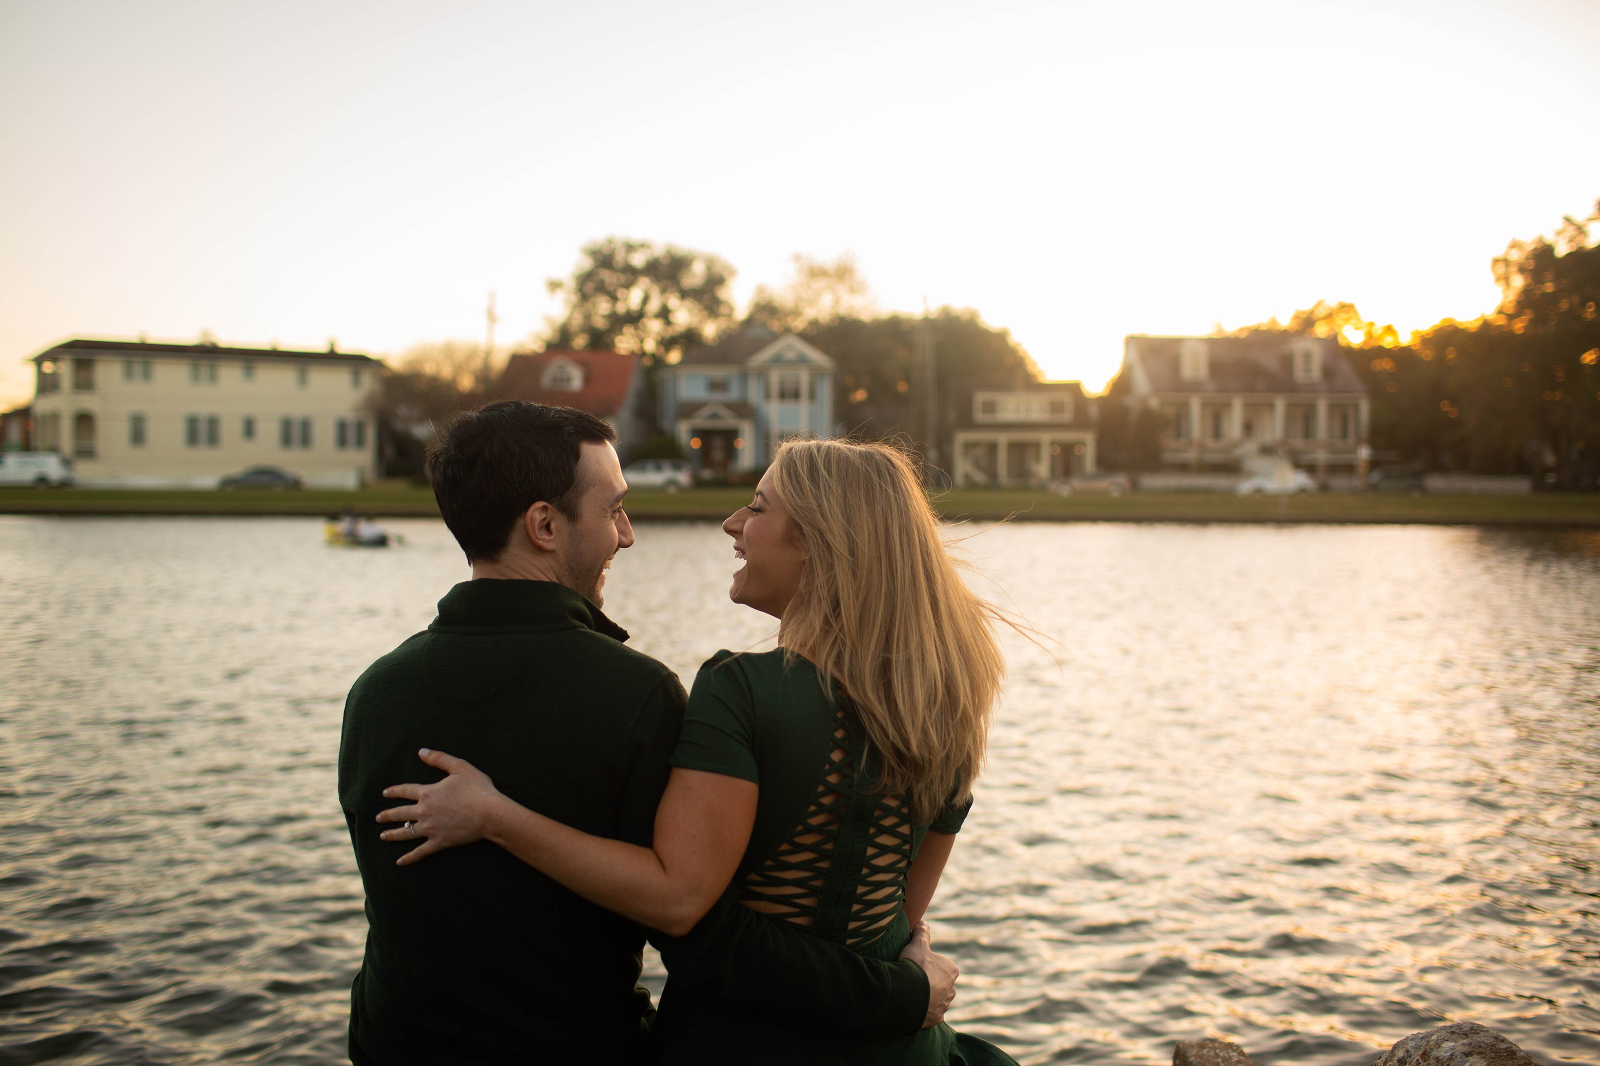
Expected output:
(601, 528)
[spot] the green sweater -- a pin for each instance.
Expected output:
(474, 957)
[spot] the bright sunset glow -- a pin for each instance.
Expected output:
(1076, 172)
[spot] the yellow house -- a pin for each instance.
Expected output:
(137, 415)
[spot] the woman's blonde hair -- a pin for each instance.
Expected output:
(883, 613)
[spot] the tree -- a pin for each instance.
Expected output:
(1513, 392)
(877, 385)
(417, 397)
(653, 301)
(819, 294)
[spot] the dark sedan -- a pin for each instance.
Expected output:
(263, 477)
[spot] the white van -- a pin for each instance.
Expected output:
(41, 469)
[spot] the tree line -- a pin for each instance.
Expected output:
(1515, 391)
(659, 302)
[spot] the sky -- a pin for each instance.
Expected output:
(1075, 172)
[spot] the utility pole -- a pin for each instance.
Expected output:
(925, 356)
(488, 344)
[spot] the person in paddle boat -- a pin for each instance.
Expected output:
(826, 779)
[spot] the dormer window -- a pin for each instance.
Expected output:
(562, 375)
(1194, 360)
(1307, 359)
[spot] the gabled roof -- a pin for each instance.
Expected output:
(731, 350)
(606, 377)
(756, 346)
(192, 351)
(1258, 362)
(715, 410)
(789, 349)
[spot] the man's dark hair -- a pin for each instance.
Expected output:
(490, 465)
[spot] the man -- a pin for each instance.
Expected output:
(474, 957)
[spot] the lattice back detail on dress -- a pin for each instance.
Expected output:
(843, 869)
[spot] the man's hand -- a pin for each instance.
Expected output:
(942, 973)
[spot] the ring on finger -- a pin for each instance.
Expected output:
(412, 826)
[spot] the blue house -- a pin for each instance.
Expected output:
(732, 403)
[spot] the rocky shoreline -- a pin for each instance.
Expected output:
(1459, 1044)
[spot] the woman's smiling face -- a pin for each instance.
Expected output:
(766, 539)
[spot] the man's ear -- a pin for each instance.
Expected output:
(540, 524)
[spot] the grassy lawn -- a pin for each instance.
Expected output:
(398, 498)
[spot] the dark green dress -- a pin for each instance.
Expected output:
(827, 852)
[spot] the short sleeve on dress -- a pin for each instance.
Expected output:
(950, 819)
(718, 728)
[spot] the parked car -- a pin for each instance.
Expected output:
(1293, 484)
(669, 474)
(1398, 477)
(1107, 484)
(39, 469)
(263, 477)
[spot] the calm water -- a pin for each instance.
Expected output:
(1308, 789)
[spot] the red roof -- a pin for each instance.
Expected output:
(606, 376)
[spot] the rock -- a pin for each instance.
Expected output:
(1210, 1053)
(1461, 1044)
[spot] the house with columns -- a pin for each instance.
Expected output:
(1222, 399)
(1024, 437)
(731, 404)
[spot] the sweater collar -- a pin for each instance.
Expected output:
(494, 603)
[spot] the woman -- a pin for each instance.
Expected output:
(828, 776)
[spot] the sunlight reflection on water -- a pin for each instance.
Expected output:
(1309, 789)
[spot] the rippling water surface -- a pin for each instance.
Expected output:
(1309, 789)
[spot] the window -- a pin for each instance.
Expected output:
(561, 375)
(305, 433)
(49, 376)
(788, 388)
(202, 373)
(1310, 424)
(302, 376)
(1344, 425)
(286, 433)
(83, 376)
(988, 407)
(213, 431)
(248, 371)
(355, 379)
(136, 430)
(247, 428)
(136, 370)
(83, 435)
(191, 431)
(1307, 361)
(1194, 360)
(47, 430)
(718, 385)
(350, 433)
(1058, 408)
(1217, 418)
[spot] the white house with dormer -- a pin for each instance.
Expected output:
(732, 403)
(1224, 398)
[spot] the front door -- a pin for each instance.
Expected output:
(716, 450)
